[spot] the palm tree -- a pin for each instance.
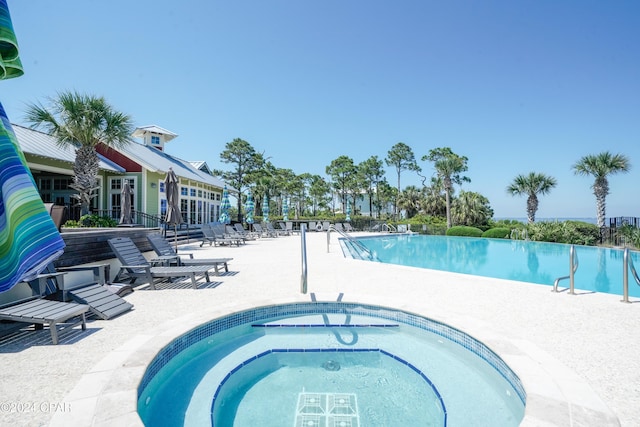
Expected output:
(82, 121)
(531, 185)
(471, 208)
(600, 166)
(448, 167)
(410, 200)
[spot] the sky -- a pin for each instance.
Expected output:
(515, 86)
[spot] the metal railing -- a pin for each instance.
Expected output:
(349, 238)
(573, 266)
(627, 264)
(138, 217)
(303, 244)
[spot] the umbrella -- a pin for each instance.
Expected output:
(29, 240)
(348, 217)
(285, 209)
(173, 216)
(265, 208)
(225, 205)
(249, 208)
(10, 65)
(125, 203)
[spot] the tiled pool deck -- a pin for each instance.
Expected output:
(577, 356)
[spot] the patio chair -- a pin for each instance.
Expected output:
(210, 236)
(135, 266)
(37, 309)
(244, 232)
(221, 235)
(231, 233)
(167, 253)
(283, 229)
(348, 228)
(104, 299)
(271, 229)
(258, 228)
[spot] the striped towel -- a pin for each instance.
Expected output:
(10, 65)
(29, 240)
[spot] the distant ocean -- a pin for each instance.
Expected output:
(524, 219)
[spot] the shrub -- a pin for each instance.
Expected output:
(570, 232)
(497, 233)
(464, 230)
(97, 221)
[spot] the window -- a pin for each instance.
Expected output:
(192, 193)
(155, 140)
(62, 184)
(45, 184)
(183, 191)
(162, 186)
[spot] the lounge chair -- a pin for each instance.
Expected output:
(136, 266)
(210, 236)
(231, 233)
(164, 249)
(283, 229)
(271, 229)
(244, 232)
(221, 235)
(40, 311)
(289, 228)
(261, 231)
(104, 299)
(348, 228)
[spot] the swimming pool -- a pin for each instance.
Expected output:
(600, 269)
(329, 363)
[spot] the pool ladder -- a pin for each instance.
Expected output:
(573, 266)
(350, 239)
(627, 264)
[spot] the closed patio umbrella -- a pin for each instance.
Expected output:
(29, 239)
(285, 209)
(249, 208)
(265, 208)
(125, 203)
(348, 217)
(173, 216)
(225, 205)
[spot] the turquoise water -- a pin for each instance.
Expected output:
(600, 269)
(331, 369)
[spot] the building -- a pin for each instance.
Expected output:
(143, 164)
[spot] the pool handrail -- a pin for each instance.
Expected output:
(303, 244)
(573, 266)
(627, 264)
(349, 238)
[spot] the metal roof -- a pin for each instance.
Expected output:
(43, 145)
(159, 161)
(140, 131)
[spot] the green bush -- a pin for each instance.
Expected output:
(463, 230)
(97, 221)
(497, 233)
(570, 232)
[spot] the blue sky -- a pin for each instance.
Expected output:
(516, 86)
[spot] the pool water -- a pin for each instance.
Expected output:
(599, 269)
(344, 365)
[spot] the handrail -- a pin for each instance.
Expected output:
(627, 263)
(349, 238)
(303, 244)
(389, 227)
(573, 266)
